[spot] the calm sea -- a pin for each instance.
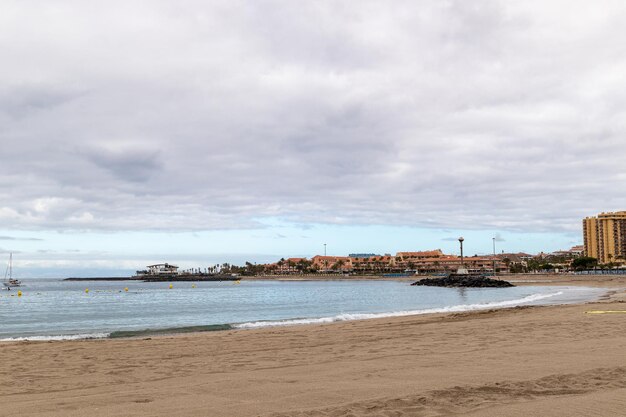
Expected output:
(51, 309)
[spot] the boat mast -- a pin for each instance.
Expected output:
(10, 265)
(6, 271)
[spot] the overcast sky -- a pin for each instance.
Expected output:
(207, 131)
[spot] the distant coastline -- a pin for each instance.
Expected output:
(168, 278)
(517, 279)
(101, 279)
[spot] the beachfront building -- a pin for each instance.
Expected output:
(332, 263)
(573, 252)
(415, 256)
(515, 261)
(288, 266)
(374, 264)
(442, 263)
(577, 250)
(159, 270)
(605, 237)
(425, 262)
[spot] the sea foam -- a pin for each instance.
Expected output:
(362, 316)
(301, 321)
(47, 338)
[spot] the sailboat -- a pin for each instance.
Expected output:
(9, 281)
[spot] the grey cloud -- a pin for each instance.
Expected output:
(28, 239)
(49, 251)
(19, 102)
(136, 165)
(217, 115)
(7, 251)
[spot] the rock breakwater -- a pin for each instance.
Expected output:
(466, 281)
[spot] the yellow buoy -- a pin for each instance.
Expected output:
(19, 293)
(193, 285)
(126, 289)
(86, 290)
(171, 286)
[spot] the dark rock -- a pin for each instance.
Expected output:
(464, 280)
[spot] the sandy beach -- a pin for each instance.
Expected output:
(543, 361)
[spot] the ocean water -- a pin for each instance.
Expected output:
(54, 309)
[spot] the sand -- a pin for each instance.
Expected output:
(530, 361)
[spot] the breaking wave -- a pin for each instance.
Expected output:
(287, 322)
(56, 337)
(362, 316)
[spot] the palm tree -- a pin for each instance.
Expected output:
(507, 262)
(340, 263)
(280, 264)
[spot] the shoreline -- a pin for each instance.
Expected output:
(614, 286)
(533, 360)
(517, 279)
(616, 295)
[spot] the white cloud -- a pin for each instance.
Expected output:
(195, 115)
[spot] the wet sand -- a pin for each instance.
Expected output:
(544, 361)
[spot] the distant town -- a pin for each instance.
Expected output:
(402, 263)
(604, 249)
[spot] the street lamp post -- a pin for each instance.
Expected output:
(324, 249)
(461, 242)
(494, 256)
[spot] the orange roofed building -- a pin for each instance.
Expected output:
(287, 266)
(405, 256)
(424, 262)
(328, 263)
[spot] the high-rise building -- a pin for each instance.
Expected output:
(605, 236)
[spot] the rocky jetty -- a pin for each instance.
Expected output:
(189, 277)
(164, 278)
(465, 281)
